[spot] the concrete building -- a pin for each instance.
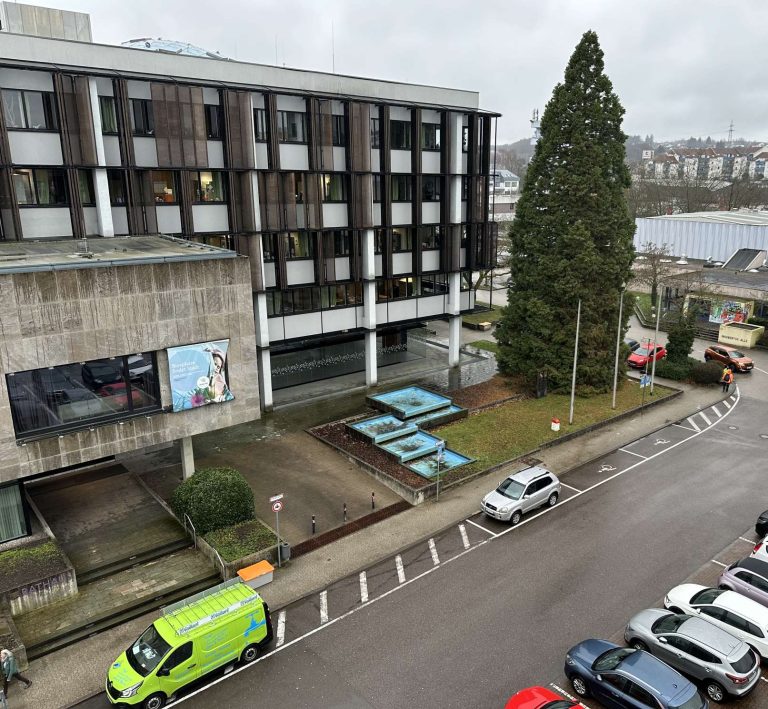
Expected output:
(362, 205)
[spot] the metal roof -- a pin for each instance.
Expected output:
(740, 216)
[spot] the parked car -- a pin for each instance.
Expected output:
(645, 354)
(749, 577)
(761, 526)
(722, 662)
(734, 613)
(632, 344)
(538, 698)
(761, 549)
(729, 356)
(626, 678)
(522, 492)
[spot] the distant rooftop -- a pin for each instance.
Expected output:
(64, 254)
(749, 218)
(170, 46)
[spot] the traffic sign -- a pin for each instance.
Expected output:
(277, 506)
(645, 380)
(275, 498)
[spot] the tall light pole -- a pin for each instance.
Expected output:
(618, 344)
(575, 360)
(655, 344)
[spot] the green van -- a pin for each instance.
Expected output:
(193, 637)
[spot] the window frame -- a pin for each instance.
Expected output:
(113, 173)
(175, 193)
(260, 134)
(338, 131)
(431, 145)
(437, 191)
(86, 174)
(328, 178)
(283, 127)
(310, 244)
(394, 127)
(110, 100)
(142, 108)
(375, 133)
(214, 130)
(34, 185)
(408, 182)
(197, 186)
(49, 108)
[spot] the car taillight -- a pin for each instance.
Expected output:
(757, 547)
(736, 679)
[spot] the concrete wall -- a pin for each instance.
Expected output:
(58, 317)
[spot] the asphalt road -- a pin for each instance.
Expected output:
(481, 610)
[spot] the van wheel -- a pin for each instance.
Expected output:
(516, 517)
(715, 692)
(154, 701)
(250, 653)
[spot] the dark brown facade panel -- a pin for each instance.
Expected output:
(386, 256)
(313, 201)
(281, 259)
(385, 140)
(239, 151)
(325, 135)
(359, 132)
(185, 205)
(450, 249)
(485, 135)
(446, 142)
(356, 257)
(125, 135)
(273, 146)
(240, 204)
(269, 201)
(416, 141)
(248, 245)
(77, 129)
(288, 200)
(361, 201)
(10, 218)
(75, 204)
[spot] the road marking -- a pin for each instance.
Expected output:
(704, 416)
(464, 537)
(727, 405)
(683, 427)
(570, 487)
(748, 541)
(694, 424)
(400, 569)
(280, 629)
(323, 607)
(433, 551)
(719, 563)
(761, 677)
(764, 372)
(487, 531)
(624, 450)
(567, 695)
(363, 587)
(432, 569)
(606, 468)
(719, 415)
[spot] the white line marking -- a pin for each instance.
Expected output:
(727, 405)
(764, 372)
(624, 450)
(704, 416)
(323, 607)
(386, 594)
(732, 397)
(433, 551)
(567, 695)
(280, 629)
(363, 587)
(694, 424)
(719, 563)
(684, 427)
(761, 677)
(400, 569)
(487, 531)
(719, 415)
(570, 487)
(464, 537)
(748, 541)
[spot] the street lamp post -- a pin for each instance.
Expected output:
(575, 360)
(655, 344)
(618, 344)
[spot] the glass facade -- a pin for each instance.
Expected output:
(13, 518)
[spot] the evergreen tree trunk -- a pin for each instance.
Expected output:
(572, 235)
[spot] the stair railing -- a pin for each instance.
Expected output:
(193, 532)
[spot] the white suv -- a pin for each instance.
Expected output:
(522, 492)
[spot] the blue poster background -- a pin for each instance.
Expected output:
(198, 374)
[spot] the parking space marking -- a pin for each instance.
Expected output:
(683, 427)
(624, 450)
(400, 569)
(694, 424)
(464, 537)
(748, 541)
(363, 587)
(719, 415)
(487, 531)
(719, 563)
(727, 405)
(704, 416)
(567, 695)
(280, 629)
(570, 487)
(433, 551)
(323, 607)
(764, 372)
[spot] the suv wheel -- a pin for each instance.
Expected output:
(579, 686)
(715, 692)
(517, 515)
(552, 501)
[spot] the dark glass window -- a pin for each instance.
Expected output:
(334, 187)
(179, 655)
(400, 135)
(342, 242)
(260, 125)
(208, 186)
(430, 237)
(116, 181)
(397, 288)
(435, 284)
(73, 395)
(268, 246)
(430, 188)
(464, 188)
(300, 245)
(402, 239)
(376, 188)
(108, 115)
(142, 117)
(375, 133)
(378, 243)
(40, 187)
(430, 136)
(338, 131)
(274, 303)
(85, 188)
(298, 184)
(29, 110)
(291, 127)
(163, 186)
(402, 188)
(214, 123)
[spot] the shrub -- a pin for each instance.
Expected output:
(677, 371)
(680, 337)
(707, 372)
(241, 540)
(214, 498)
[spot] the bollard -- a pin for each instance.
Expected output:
(373, 501)
(313, 524)
(345, 512)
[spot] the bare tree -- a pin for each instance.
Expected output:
(651, 266)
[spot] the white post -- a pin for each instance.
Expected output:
(655, 343)
(371, 367)
(187, 457)
(100, 183)
(618, 344)
(454, 320)
(265, 380)
(575, 360)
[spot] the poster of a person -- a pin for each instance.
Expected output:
(217, 381)
(198, 374)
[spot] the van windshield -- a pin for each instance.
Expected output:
(147, 652)
(511, 489)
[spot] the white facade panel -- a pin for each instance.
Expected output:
(430, 116)
(337, 108)
(402, 213)
(31, 147)
(91, 221)
(262, 157)
(462, 258)
(464, 163)
(401, 160)
(403, 309)
(378, 261)
(339, 158)
(111, 150)
(269, 275)
(466, 300)
(399, 113)
(300, 272)
(377, 214)
(104, 86)
(382, 316)
(291, 103)
(257, 100)
(338, 319)
(276, 329)
(375, 159)
(120, 220)
(402, 263)
(342, 268)
(430, 260)
(21, 79)
(302, 325)
(216, 154)
(293, 156)
(210, 217)
(210, 96)
(168, 219)
(430, 212)
(145, 151)
(430, 161)
(139, 89)
(335, 215)
(45, 222)
(433, 305)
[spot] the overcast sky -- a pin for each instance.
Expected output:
(680, 67)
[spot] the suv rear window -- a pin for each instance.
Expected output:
(669, 623)
(708, 595)
(695, 702)
(745, 663)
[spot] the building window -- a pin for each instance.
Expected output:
(341, 295)
(334, 187)
(142, 117)
(214, 125)
(76, 395)
(14, 521)
(375, 133)
(464, 188)
(108, 115)
(342, 242)
(163, 186)
(116, 182)
(434, 284)
(300, 245)
(40, 187)
(298, 187)
(291, 127)
(464, 139)
(397, 288)
(29, 110)
(402, 240)
(376, 188)
(430, 237)
(430, 188)
(260, 125)
(85, 188)
(338, 131)
(208, 186)
(269, 246)
(430, 136)
(400, 134)
(378, 241)
(402, 188)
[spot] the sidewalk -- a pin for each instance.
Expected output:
(65, 677)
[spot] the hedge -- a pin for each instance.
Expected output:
(707, 372)
(676, 371)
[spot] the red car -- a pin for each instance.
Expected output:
(539, 698)
(645, 354)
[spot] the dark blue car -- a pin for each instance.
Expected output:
(626, 678)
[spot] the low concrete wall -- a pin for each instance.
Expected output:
(40, 593)
(230, 568)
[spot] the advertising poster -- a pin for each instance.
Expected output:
(198, 374)
(728, 311)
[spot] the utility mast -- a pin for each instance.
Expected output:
(535, 126)
(730, 135)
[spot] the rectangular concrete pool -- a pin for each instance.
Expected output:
(383, 428)
(408, 402)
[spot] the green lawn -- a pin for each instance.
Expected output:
(485, 316)
(486, 345)
(518, 427)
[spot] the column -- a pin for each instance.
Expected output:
(454, 215)
(454, 318)
(265, 357)
(100, 182)
(369, 308)
(187, 457)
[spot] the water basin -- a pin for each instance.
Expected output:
(408, 402)
(445, 415)
(427, 466)
(413, 446)
(383, 428)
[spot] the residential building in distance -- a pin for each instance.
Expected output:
(701, 164)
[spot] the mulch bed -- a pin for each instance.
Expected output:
(30, 563)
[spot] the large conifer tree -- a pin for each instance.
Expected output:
(572, 235)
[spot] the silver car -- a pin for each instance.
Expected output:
(749, 577)
(522, 492)
(723, 663)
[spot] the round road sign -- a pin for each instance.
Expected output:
(277, 506)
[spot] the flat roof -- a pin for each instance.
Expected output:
(102, 252)
(748, 217)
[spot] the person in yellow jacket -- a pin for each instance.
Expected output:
(727, 379)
